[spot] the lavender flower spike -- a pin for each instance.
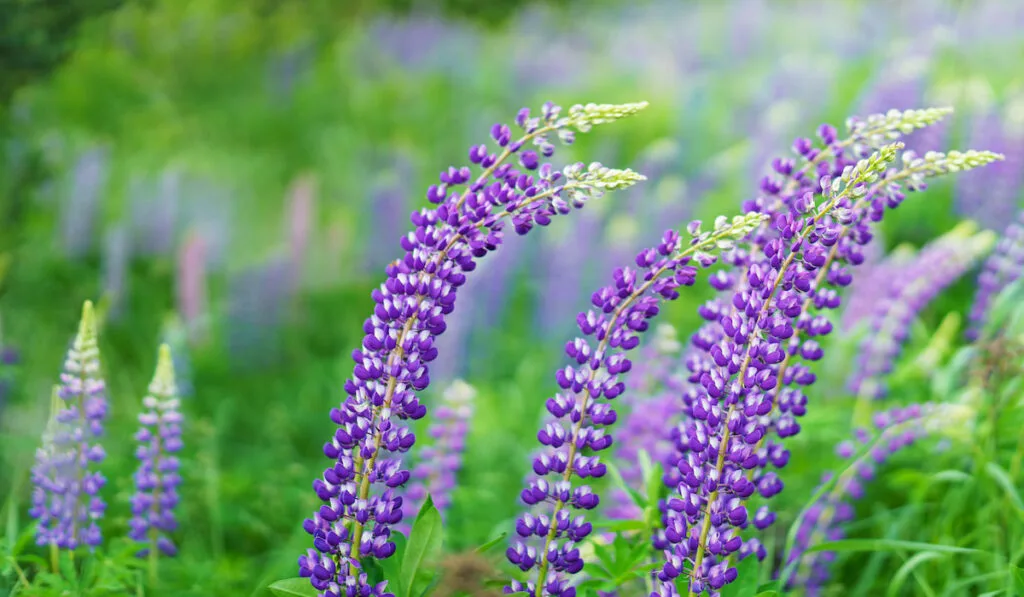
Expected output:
(65, 499)
(440, 463)
(157, 478)
(548, 535)
(358, 490)
(938, 265)
(1002, 268)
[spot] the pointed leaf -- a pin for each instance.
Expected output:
(486, 547)
(293, 587)
(745, 584)
(424, 540)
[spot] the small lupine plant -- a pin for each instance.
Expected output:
(67, 481)
(784, 264)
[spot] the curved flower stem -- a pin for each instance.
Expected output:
(601, 347)
(745, 365)
(366, 465)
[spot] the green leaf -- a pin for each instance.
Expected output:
(293, 587)
(391, 568)
(1002, 478)
(745, 584)
(424, 540)
(771, 593)
(621, 484)
(887, 545)
(913, 562)
(486, 547)
(617, 526)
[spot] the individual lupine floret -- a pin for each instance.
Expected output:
(157, 477)
(359, 489)
(65, 498)
(440, 462)
(939, 264)
(894, 430)
(651, 401)
(745, 364)
(547, 536)
(1002, 268)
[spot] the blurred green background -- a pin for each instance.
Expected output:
(232, 176)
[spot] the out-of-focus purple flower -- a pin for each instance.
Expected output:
(9, 359)
(258, 298)
(116, 261)
(992, 197)
(939, 264)
(439, 463)
(358, 491)
(65, 499)
(300, 211)
(81, 208)
(155, 210)
(174, 334)
(390, 211)
(1002, 268)
(893, 430)
(548, 534)
(878, 274)
(191, 284)
(157, 478)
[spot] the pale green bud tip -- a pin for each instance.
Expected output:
(585, 116)
(598, 176)
(86, 326)
(164, 366)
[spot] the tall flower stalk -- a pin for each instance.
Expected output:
(583, 407)
(939, 264)
(359, 489)
(157, 477)
(65, 499)
(440, 462)
(745, 374)
(1003, 267)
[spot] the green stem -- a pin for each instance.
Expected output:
(54, 558)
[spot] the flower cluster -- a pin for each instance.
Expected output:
(744, 367)
(1003, 267)
(549, 533)
(391, 366)
(939, 264)
(65, 498)
(440, 462)
(157, 478)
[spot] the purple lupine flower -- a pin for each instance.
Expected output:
(745, 358)
(894, 430)
(876, 278)
(258, 298)
(1002, 268)
(190, 284)
(469, 221)
(154, 212)
(65, 498)
(440, 462)
(300, 210)
(390, 210)
(9, 358)
(157, 478)
(939, 264)
(116, 261)
(78, 218)
(992, 197)
(547, 535)
(651, 401)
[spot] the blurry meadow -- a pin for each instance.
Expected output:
(233, 179)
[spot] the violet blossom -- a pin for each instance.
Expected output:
(359, 489)
(548, 534)
(1002, 268)
(745, 361)
(65, 499)
(939, 264)
(157, 477)
(439, 463)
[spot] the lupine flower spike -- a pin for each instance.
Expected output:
(939, 264)
(439, 463)
(744, 369)
(65, 498)
(1003, 267)
(157, 478)
(358, 490)
(548, 535)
